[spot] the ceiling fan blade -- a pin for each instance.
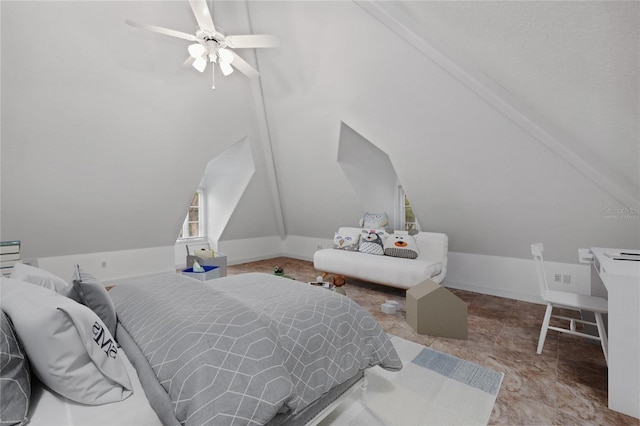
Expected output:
(252, 41)
(203, 16)
(243, 66)
(161, 30)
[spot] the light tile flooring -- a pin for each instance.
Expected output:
(565, 385)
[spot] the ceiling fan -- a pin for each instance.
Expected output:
(213, 45)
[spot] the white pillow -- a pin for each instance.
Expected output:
(69, 347)
(399, 245)
(37, 276)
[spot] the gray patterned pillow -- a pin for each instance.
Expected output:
(89, 291)
(15, 377)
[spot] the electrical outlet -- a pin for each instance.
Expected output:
(320, 246)
(566, 279)
(104, 263)
(557, 278)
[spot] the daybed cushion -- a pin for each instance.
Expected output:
(431, 262)
(15, 377)
(69, 347)
(398, 245)
(377, 269)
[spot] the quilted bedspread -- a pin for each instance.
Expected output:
(243, 348)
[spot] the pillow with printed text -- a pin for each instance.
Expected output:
(68, 346)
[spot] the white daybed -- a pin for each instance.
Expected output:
(431, 262)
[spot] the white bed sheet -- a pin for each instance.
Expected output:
(48, 408)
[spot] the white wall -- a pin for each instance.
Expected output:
(225, 180)
(471, 169)
(495, 275)
(370, 173)
(105, 137)
(112, 265)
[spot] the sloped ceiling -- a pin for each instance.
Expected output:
(104, 136)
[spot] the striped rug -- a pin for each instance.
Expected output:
(433, 388)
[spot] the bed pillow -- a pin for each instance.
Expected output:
(15, 377)
(371, 242)
(68, 346)
(375, 220)
(401, 245)
(346, 240)
(37, 276)
(89, 291)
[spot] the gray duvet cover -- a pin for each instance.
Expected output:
(243, 348)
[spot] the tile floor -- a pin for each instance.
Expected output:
(565, 385)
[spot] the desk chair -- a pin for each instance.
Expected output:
(563, 299)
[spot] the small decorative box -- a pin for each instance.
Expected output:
(389, 308)
(210, 272)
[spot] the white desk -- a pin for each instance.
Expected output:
(621, 279)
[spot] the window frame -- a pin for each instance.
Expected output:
(201, 220)
(401, 206)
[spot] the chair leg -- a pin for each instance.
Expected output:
(603, 336)
(545, 327)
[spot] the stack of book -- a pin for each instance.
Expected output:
(9, 255)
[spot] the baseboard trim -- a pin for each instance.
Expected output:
(492, 291)
(239, 261)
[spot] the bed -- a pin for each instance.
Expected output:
(244, 349)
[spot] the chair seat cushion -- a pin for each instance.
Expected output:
(579, 301)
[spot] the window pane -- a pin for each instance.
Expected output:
(193, 229)
(409, 217)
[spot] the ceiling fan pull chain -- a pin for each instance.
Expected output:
(213, 77)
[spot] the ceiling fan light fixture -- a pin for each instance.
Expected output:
(197, 50)
(226, 69)
(225, 56)
(214, 45)
(200, 64)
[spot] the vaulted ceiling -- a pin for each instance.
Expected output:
(506, 122)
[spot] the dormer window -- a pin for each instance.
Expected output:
(193, 225)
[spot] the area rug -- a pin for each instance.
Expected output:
(433, 388)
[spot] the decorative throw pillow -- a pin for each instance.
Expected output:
(92, 293)
(15, 377)
(375, 220)
(401, 245)
(69, 347)
(346, 241)
(371, 242)
(40, 277)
